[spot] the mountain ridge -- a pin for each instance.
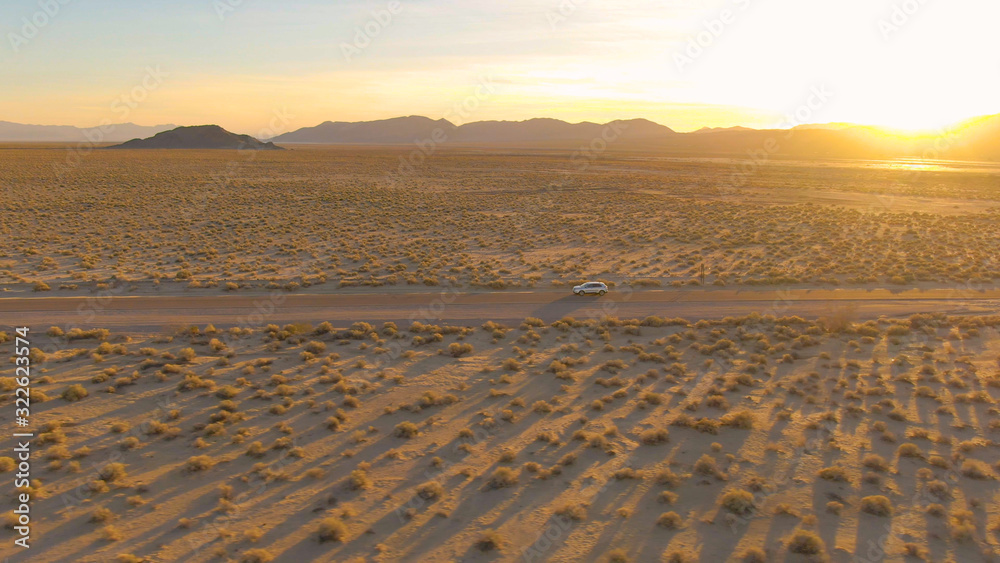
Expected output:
(197, 137)
(413, 128)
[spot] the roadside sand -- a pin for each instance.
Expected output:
(591, 421)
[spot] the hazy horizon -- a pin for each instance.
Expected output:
(779, 126)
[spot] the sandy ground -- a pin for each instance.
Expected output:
(587, 440)
(850, 417)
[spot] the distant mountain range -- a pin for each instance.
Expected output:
(197, 137)
(976, 139)
(406, 130)
(111, 133)
(720, 129)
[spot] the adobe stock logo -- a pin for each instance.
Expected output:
(223, 7)
(366, 34)
(900, 16)
(566, 9)
(704, 39)
(32, 25)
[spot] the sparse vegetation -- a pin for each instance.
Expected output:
(438, 412)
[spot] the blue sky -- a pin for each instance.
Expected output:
(683, 63)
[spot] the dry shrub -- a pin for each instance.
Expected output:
(490, 540)
(806, 543)
(110, 533)
(976, 469)
(654, 436)
(833, 473)
(962, 525)
(875, 462)
(542, 407)
(406, 429)
(359, 479)
(742, 419)
(738, 501)
(670, 520)
(678, 556)
(503, 477)
(430, 490)
(102, 515)
(74, 393)
(331, 529)
(575, 512)
(199, 463)
(876, 505)
(668, 478)
(113, 472)
(706, 465)
(256, 555)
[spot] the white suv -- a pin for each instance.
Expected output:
(591, 287)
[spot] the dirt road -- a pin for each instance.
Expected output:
(453, 306)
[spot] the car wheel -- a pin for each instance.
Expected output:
(601, 292)
(578, 293)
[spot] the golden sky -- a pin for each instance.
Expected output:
(682, 63)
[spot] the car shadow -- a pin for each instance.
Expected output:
(566, 307)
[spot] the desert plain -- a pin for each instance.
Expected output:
(840, 435)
